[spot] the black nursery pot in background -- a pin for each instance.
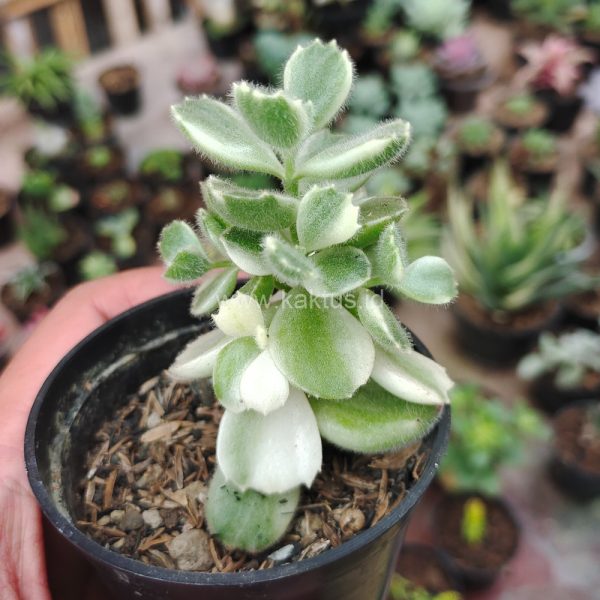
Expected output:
(121, 84)
(86, 386)
(563, 110)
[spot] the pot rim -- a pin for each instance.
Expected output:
(118, 561)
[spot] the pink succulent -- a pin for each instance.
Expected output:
(553, 64)
(459, 53)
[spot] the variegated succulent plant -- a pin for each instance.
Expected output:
(305, 350)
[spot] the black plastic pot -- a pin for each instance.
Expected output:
(500, 9)
(551, 398)
(61, 114)
(112, 362)
(563, 110)
(123, 100)
(338, 18)
(462, 94)
(471, 575)
(7, 218)
(573, 480)
(498, 346)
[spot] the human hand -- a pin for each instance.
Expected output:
(25, 567)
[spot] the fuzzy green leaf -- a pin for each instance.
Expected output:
(389, 256)
(276, 119)
(429, 279)
(260, 288)
(256, 210)
(248, 520)
(232, 360)
(381, 322)
(326, 217)
(373, 420)
(214, 289)
(412, 377)
(286, 262)
(321, 74)
(359, 154)
(271, 453)
(320, 347)
(186, 267)
(245, 249)
(177, 237)
(375, 215)
(212, 229)
(220, 133)
(338, 271)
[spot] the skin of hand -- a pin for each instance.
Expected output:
(28, 570)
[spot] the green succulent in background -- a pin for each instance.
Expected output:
(439, 19)
(429, 154)
(369, 97)
(380, 17)
(38, 185)
(568, 357)
(165, 163)
(98, 157)
(518, 253)
(413, 81)
(591, 21)
(539, 144)
(520, 104)
(63, 198)
(422, 229)
(474, 523)
(89, 117)
(96, 264)
(41, 233)
(305, 350)
(30, 280)
(273, 48)
(389, 181)
(557, 14)
(403, 589)
(119, 229)
(487, 436)
(404, 46)
(475, 133)
(428, 116)
(44, 80)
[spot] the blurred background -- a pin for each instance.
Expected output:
(501, 179)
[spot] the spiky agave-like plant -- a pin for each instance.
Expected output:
(305, 349)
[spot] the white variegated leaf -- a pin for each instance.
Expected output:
(429, 279)
(239, 316)
(216, 287)
(389, 256)
(197, 359)
(286, 262)
(245, 249)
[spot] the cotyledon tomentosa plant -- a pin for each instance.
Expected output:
(304, 350)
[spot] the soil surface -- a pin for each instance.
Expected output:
(147, 475)
(424, 567)
(499, 542)
(119, 79)
(578, 438)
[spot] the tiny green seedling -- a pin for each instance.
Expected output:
(119, 229)
(305, 350)
(473, 526)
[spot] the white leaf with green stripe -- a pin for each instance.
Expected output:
(412, 377)
(256, 210)
(249, 520)
(338, 270)
(271, 453)
(245, 249)
(321, 74)
(286, 262)
(389, 256)
(263, 387)
(359, 154)
(231, 363)
(276, 119)
(212, 229)
(197, 360)
(239, 316)
(326, 217)
(381, 322)
(429, 279)
(373, 420)
(222, 135)
(319, 346)
(217, 286)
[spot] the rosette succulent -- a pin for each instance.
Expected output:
(305, 350)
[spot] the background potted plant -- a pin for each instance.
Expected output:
(512, 264)
(96, 264)
(553, 70)
(563, 369)
(7, 217)
(534, 158)
(437, 20)
(269, 353)
(122, 86)
(42, 84)
(519, 111)
(463, 71)
(474, 527)
(576, 448)
(539, 17)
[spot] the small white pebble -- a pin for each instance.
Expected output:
(282, 554)
(116, 516)
(152, 518)
(153, 420)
